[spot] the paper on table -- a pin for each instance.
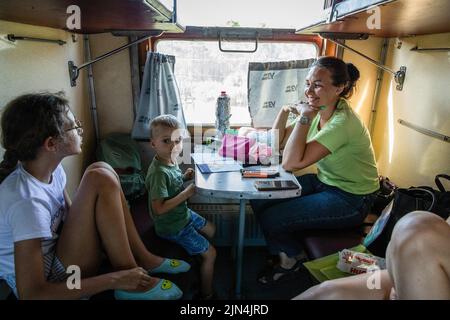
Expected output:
(209, 157)
(211, 162)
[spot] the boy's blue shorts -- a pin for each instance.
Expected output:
(189, 237)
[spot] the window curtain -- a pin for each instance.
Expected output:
(159, 94)
(272, 85)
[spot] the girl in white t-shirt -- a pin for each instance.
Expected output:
(40, 258)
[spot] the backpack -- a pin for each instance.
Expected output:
(405, 201)
(121, 152)
(384, 195)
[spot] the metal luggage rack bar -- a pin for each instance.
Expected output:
(399, 76)
(13, 38)
(416, 48)
(74, 71)
(427, 132)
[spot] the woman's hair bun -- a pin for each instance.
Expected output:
(353, 72)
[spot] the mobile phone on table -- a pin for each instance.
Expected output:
(271, 185)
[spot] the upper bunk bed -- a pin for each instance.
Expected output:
(96, 16)
(399, 18)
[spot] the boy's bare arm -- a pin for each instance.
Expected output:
(162, 206)
(189, 174)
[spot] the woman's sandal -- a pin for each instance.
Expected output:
(277, 273)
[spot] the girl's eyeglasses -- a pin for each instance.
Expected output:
(78, 127)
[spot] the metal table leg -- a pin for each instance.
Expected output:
(240, 247)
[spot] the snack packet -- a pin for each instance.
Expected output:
(357, 263)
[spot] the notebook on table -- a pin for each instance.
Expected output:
(218, 167)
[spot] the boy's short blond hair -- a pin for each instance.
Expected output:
(165, 120)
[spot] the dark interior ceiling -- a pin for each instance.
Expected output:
(96, 15)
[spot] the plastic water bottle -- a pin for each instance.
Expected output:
(223, 113)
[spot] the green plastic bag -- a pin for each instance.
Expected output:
(121, 152)
(325, 268)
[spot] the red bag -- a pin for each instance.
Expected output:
(244, 149)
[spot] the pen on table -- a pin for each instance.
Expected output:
(259, 175)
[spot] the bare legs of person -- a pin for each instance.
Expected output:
(418, 265)
(418, 257)
(98, 219)
(208, 260)
(350, 288)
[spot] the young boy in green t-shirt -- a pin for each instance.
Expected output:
(168, 199)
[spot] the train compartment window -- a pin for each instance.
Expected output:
(202, 71)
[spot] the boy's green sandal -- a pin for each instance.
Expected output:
(164, 290)
(171, 266)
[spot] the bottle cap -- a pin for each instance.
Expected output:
(223, 93)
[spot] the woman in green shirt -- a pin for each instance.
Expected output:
(330, 134)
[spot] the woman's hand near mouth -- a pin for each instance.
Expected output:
(308, 110)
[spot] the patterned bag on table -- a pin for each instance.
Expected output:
(245, 150)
